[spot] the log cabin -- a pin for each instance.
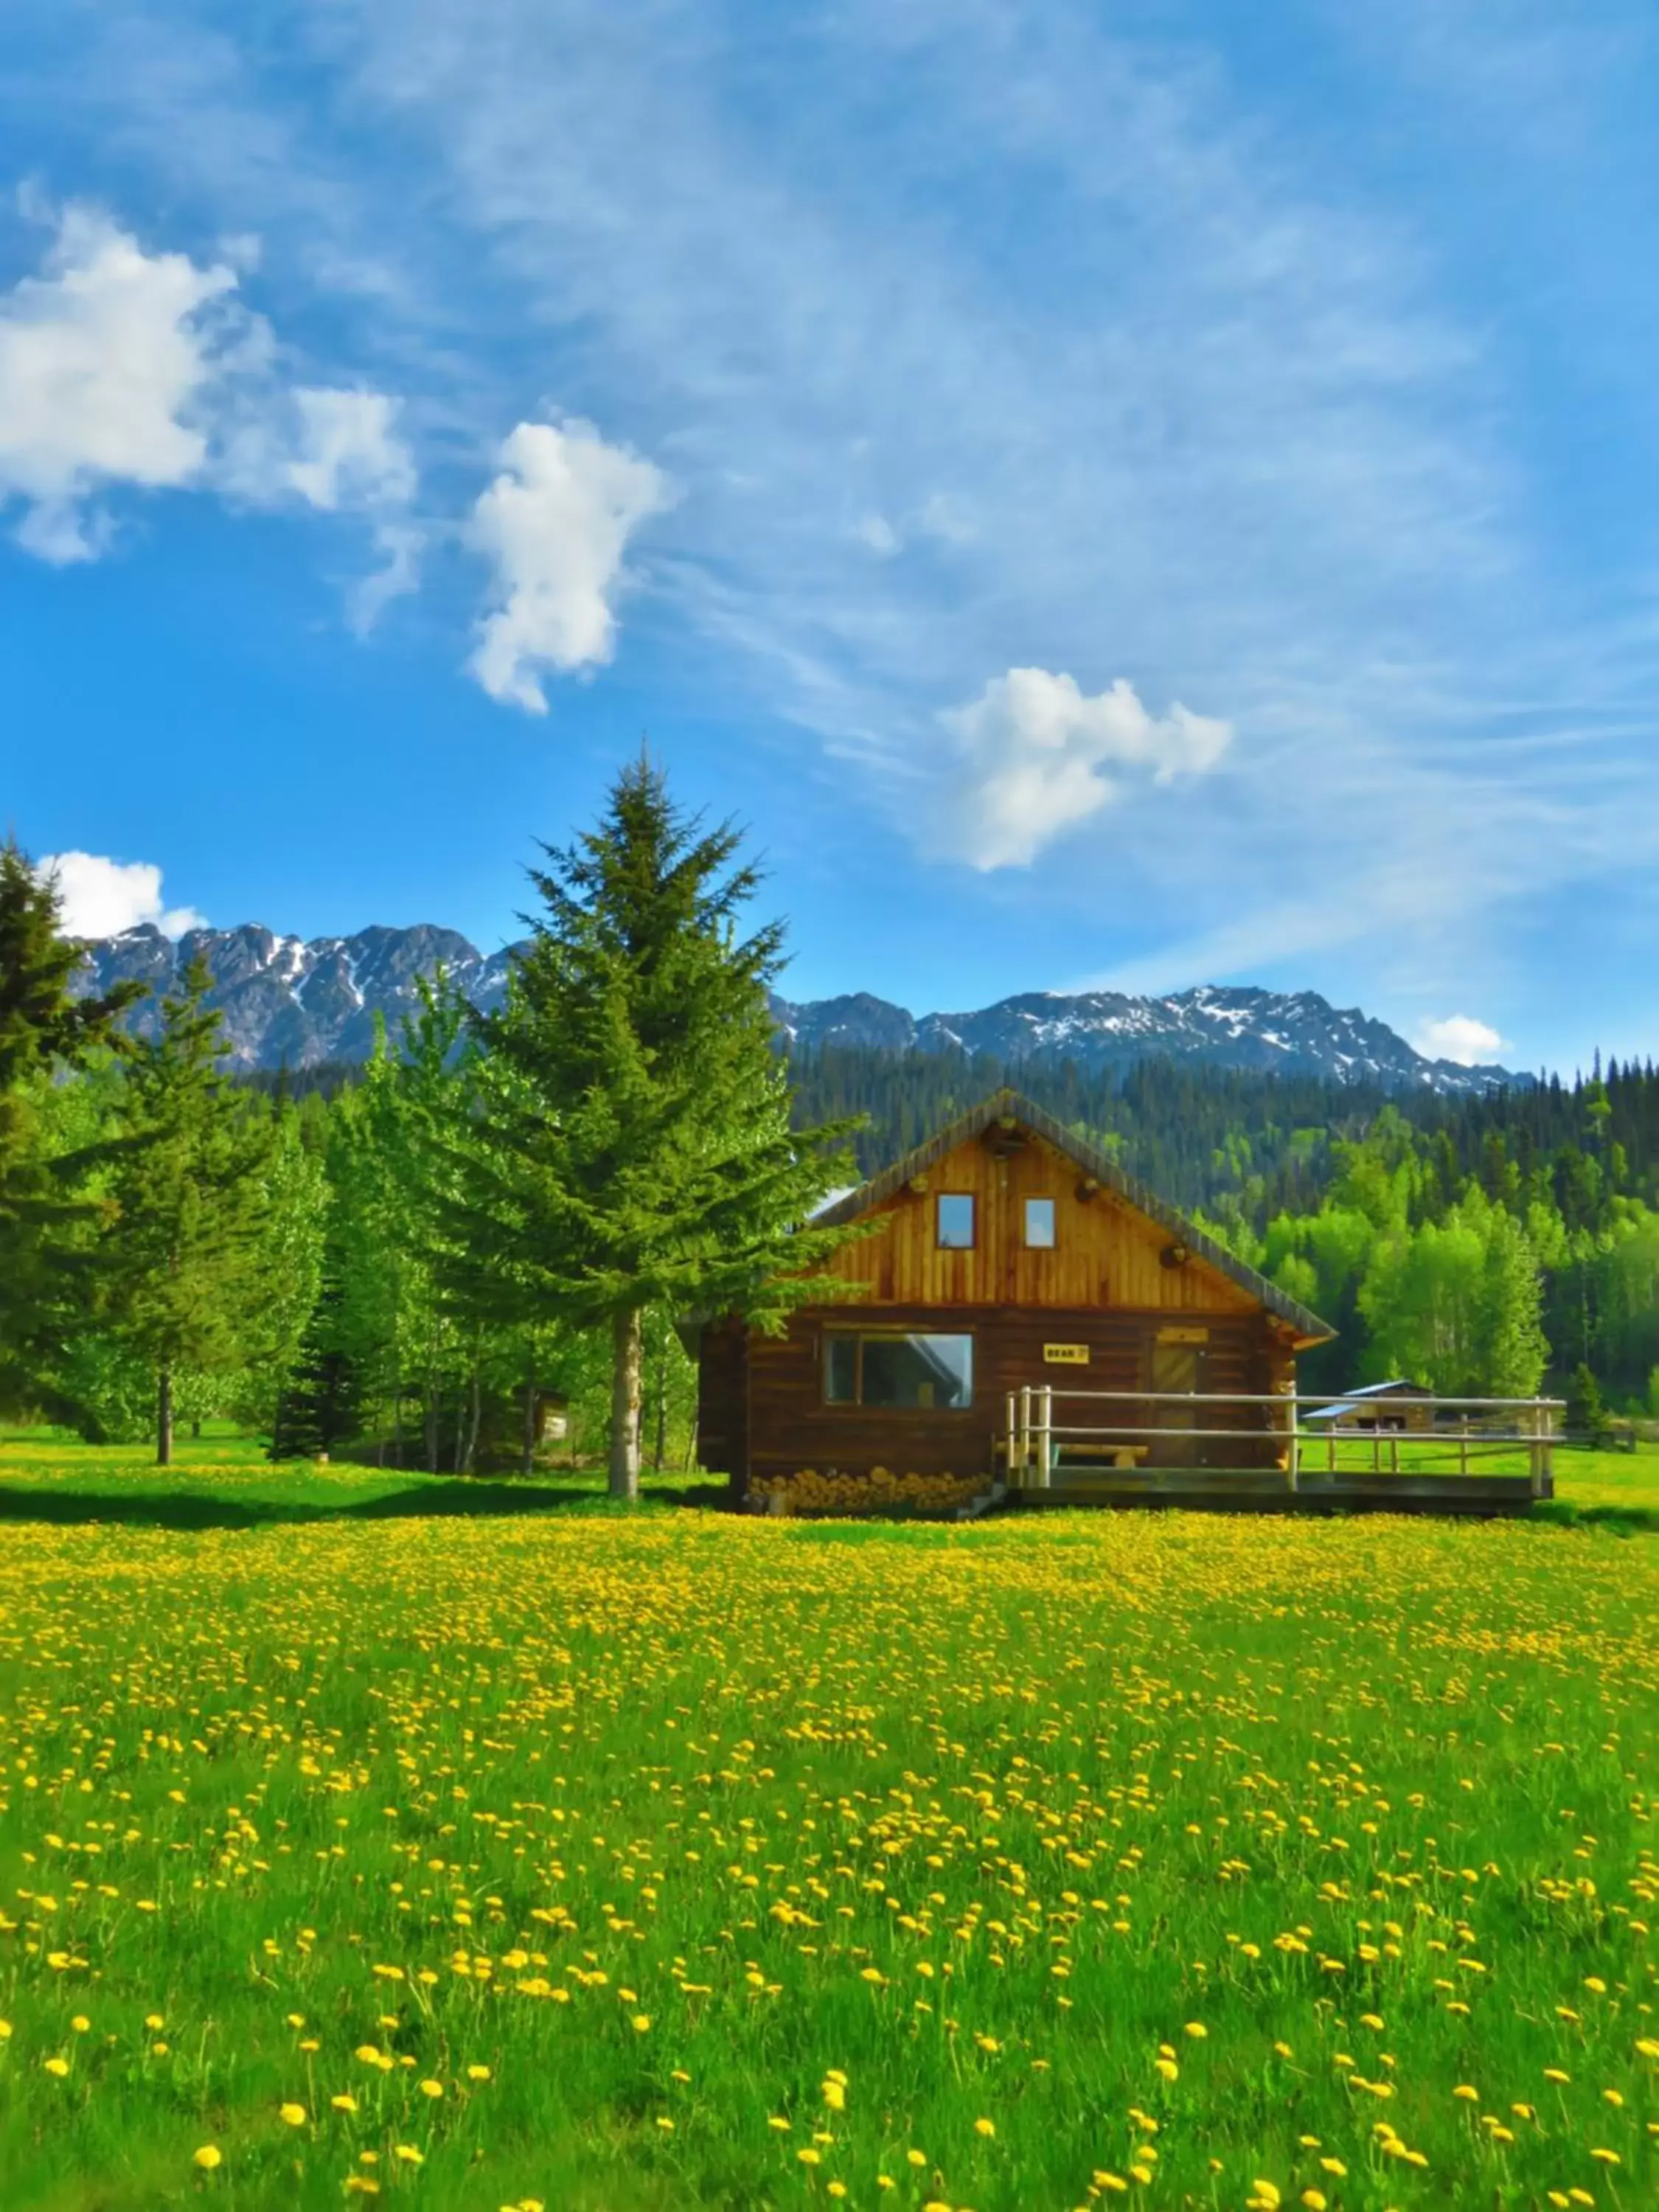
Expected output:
(1006, 1251)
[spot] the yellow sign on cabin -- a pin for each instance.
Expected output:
(1066, 1355)
(1183, 1336)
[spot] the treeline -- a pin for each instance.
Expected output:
(504, 1222)
(499, 1217)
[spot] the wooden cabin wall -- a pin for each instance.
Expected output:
(790, 1428)
(1105, 1253)
(723, 1399)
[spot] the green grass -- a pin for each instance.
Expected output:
(224, 1479)
(672, 1821)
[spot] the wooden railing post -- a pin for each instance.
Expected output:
(1045, 1437)
(1008, 1431)
(1024, 1430)
(1292, 1462)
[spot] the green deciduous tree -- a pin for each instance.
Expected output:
(632, 1143)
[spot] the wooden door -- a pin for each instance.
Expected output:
(1177, 1366)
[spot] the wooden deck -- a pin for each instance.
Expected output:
(1259, 1489)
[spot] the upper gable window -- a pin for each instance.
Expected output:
(955, 1221)
(1039, 1225)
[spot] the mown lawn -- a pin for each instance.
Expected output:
(565, 1859)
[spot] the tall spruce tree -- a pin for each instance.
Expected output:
(631, 1145)
(43, 1030)
(187, 1262)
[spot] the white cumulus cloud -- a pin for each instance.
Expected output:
(100, 897)
(555, 523)
(1459, 1038)
(123, 368)
(1034, 754)
(104, 360)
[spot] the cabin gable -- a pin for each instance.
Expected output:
(1106, 1252)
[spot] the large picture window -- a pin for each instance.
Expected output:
(925, 1373)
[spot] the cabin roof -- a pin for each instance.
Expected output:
(1008, 1104)
(1399, 1388)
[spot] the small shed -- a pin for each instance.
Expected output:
(1009, 1252)
(1397, 1406)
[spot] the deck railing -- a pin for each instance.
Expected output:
(1050, 1432)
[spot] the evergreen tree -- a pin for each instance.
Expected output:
(44, 1030)
(1586, 1415)
(320, 1404)
(633, 1143)
(185, 1248)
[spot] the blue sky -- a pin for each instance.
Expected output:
(1137, 494)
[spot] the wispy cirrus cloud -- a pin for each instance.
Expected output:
(981, 339)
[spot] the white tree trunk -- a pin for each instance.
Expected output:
(625, 1381)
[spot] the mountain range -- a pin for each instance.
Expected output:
(292, 1002)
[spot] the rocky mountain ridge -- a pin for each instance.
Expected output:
(292, 1002)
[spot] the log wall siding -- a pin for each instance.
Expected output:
(1105, 1253)
(723, 1399)
(788, 1427)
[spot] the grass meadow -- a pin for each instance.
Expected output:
(360, 1838)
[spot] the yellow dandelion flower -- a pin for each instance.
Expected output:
(208, 2157)
(1469, 2096)
(1168, 2068)
(80, 2023)
(775, 2122)
(1315, 2199)
(57, 2066)
(482, 2073)
(344, 2103)
(294, 2115)
(1607, 2157)
(808, 2156)
(917, 2157)
(983, 2127)
(641, 2025)
(409, 2154)
(432, 2088)
(1196, 2029)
